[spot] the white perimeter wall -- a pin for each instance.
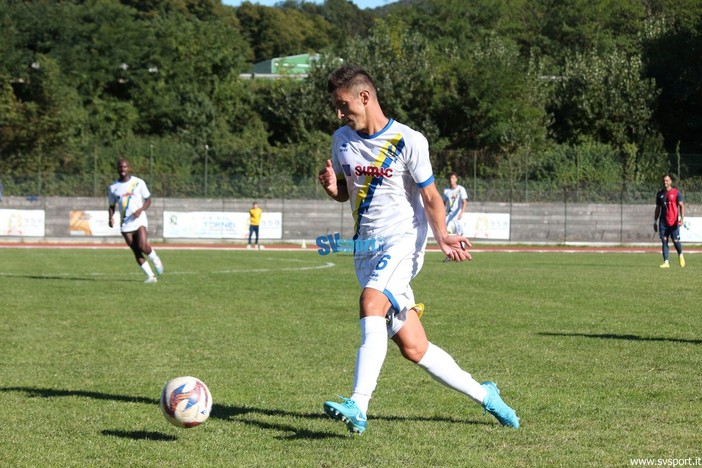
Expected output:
(308, 219)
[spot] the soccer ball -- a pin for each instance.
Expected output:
(186, 401)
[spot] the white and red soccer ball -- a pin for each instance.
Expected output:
(186, 401)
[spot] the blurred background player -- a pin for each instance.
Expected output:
(131, 195)
(669, 216)
(382, 168)
(456, 200)
(254, 223)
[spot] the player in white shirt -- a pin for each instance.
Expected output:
(382, 168)
(456, 200)
(130, 195)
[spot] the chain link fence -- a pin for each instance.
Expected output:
(478, 173)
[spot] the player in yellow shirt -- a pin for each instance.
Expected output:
(254, 222)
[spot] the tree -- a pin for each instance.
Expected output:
(40, 115)
(277, 32)
(492, 99)
(673, 54)
(604, 98)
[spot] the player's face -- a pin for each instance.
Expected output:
(350, 108)
(667, 182)
(453, 181)
(123, 169)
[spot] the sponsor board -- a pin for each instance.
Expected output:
(28, 223)
(691, 230)
(486, 225)
(92, 223)
(219, 225)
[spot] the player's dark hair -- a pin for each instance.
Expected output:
(451, 174)
(347, 77)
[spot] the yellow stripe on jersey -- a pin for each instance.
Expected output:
(386, 156)
(125, 200)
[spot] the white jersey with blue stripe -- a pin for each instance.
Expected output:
(383, 173)
(454, 198)
(127, 197)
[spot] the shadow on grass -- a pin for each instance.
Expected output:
(223, 412)
(69, 278)
(612, 336)
(140, 435)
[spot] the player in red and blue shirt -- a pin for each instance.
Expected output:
(669, 216)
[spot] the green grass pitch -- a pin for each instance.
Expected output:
(600, 354)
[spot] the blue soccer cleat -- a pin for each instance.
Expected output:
(494, 405)
(347, 412)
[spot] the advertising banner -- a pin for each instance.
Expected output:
(219, 225)
(485, 225)
(26, 223)
(92, 223)
(691, 230)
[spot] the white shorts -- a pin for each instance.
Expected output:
(390, 271)
(454, 226)
(131, 224)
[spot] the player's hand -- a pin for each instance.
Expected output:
(655, 227)
(454, 247)
(110, 222)
(327, 178)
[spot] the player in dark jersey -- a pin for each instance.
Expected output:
(669, 216)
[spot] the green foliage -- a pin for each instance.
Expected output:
(669, 49)
(492, 100)
(606, 99)
(276, 32)
(40, 117)
(510, 80)
(588, 165)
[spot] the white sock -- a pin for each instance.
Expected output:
(444, 369)
(369, 359)
(147, 269)
(153, 255)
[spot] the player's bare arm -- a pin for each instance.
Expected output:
(111, 213)
(327, 177)
(144, 207)
(681, 218)
(452, 246)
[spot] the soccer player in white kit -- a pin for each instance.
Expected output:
(382, 168)
(131, 196)
(456, 200)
